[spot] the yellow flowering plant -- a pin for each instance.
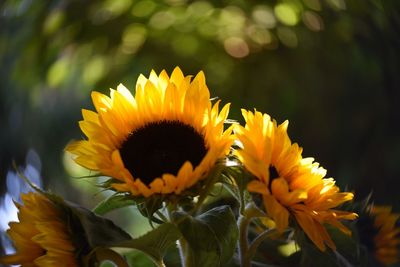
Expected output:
(221, 193)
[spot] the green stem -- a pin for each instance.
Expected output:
(243, 224)
(182, 243)
(213, 177)
(158, 263)
(257, 241)
(103, 254)
(184, 252)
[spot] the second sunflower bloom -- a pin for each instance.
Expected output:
(291, 186)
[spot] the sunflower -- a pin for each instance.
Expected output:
(163, 140)
(379, 232)
(42, 237)
(292, 187)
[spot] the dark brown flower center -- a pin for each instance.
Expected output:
(161, 147)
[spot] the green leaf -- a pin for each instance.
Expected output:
(236, 179)
(99, 231)
(311, 256)
(211, 236)
(113, 202)
(154, 243)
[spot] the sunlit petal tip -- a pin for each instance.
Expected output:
(284, 125)
(177, 76)
(153, 74)
(124, 91)
(224, 112)
(200, 77)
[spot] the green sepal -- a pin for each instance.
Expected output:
(148, 206)
(211, 236)
(113, 202)
(252, 211)
(154, 243)
(236, 179)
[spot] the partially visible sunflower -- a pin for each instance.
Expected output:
(163, 140)
(42, 237)
(291, 187)
(379, 232)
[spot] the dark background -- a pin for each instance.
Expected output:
(331, 67)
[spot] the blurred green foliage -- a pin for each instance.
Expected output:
(329, 66)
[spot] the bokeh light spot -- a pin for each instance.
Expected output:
(231, 22)
(162, 20)
(53, 22)
(133, 38)
(143, 8)
(287, 14)
(313, 21)
(287, 36)
(185, 45)
(207, 28)
(236, 47)
(108, 10)
(337, 4)
(288, 249)
(264, 16)
(259, 35)
(94, 70)
(58, 72)
(117, 7)
(313, 4)
(200, 9)
(176, 2)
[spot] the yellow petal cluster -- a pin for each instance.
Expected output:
(159, 98)
(41, 237)
(300, 190)
(387, 239)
